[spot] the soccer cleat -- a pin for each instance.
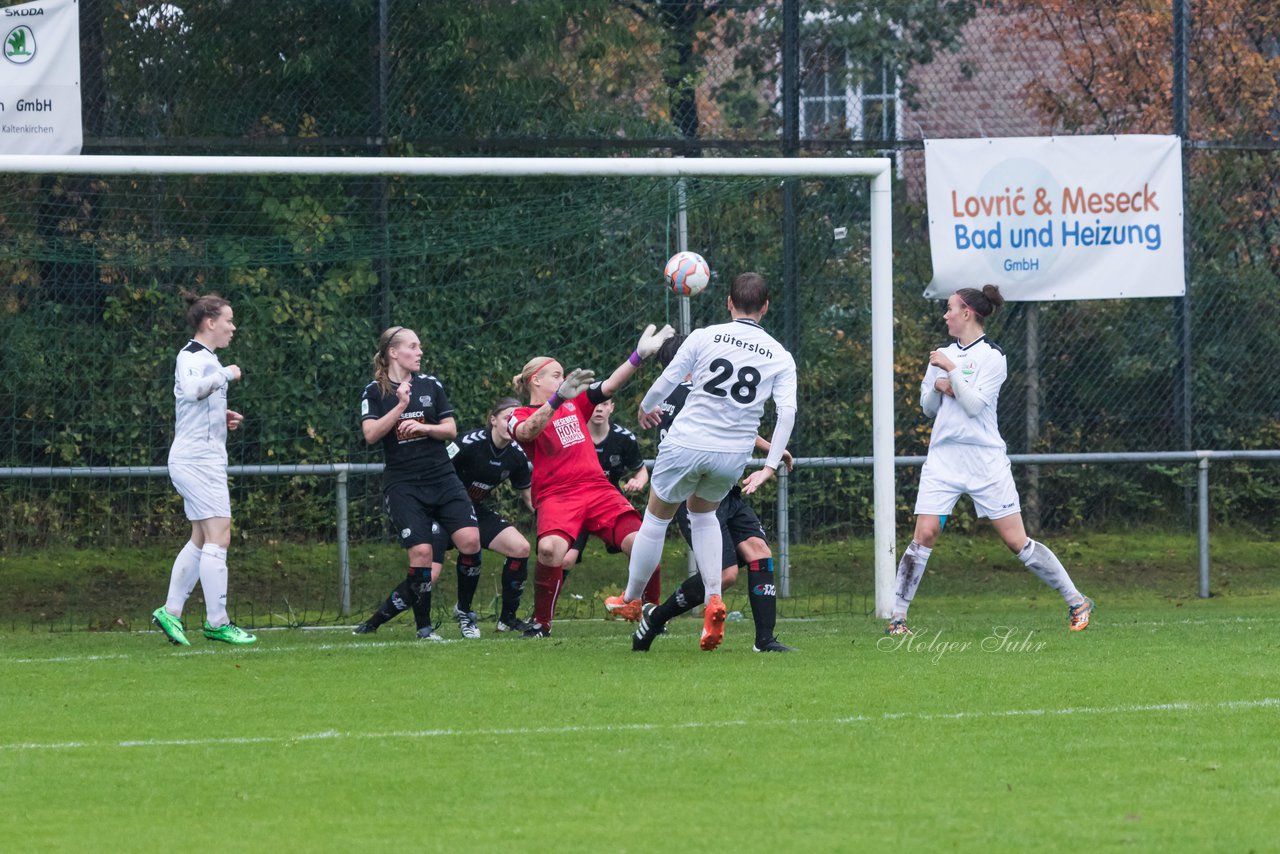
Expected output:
(618, 606)
(771, 645)
(429, 633)
(712, 623)
(512, 624)
(230, 633)
(172, 626)
(897, 626)
(537, 630)
(1080, 614)
(365, 628)
(467, 623)
(647, 630)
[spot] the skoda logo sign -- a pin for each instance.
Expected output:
(20, 45)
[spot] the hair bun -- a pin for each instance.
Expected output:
(992, 293)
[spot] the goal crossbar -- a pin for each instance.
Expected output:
(878, 169)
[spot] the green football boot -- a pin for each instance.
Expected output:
(171, 626)
(230, 633)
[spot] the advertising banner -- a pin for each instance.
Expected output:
(1057, 218)
(40, 78)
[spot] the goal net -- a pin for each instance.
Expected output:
(489, 269)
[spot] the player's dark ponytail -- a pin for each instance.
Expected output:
(983, 302)
(201, 308)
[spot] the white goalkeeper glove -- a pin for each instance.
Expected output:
(575, 383)
(650, 341)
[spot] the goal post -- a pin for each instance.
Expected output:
(878, 170)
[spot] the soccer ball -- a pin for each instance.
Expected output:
(687, 273)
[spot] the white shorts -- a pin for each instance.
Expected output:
(680, 472)
(984, 474)
(203, 487)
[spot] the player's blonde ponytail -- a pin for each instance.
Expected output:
(520, 382)
(381, 361)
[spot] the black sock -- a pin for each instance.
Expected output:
(690, 594)
(468, 579)
(763, 595)
(420, 582)
(399, 601)
(514, 574)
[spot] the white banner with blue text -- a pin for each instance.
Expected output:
(40, 78)
(1056, 218)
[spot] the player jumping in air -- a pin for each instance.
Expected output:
(967, 456)
(735, 368)
(745, 543)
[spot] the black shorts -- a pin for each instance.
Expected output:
(413, 508)
(738, 523)
(491, 522)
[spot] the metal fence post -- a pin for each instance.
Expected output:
(344, 550)
(1202, 491)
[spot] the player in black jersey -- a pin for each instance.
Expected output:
(410, 414)
(485, 459)
(745, 544)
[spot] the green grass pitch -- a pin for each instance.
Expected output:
(995, 730)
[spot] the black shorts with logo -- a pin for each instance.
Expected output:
(738, 523)
(413, 508)
(491, 522)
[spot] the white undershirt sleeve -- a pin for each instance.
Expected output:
(786, 419)
(199, 387)
(970, 400)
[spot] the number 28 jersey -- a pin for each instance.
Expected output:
(735, 368)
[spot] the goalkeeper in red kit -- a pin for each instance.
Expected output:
(571, 493)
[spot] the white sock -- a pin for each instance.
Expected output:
(910, 571)
(646, 554)
(213, 581)
(186, 572)
(1045, 564)
(704, 530)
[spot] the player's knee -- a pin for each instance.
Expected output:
(519, 549)
(754, 548)
(550, 552)
(728, 576)
(467, 540)
(570, 558)
(420, 555)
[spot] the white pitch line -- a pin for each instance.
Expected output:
(887, 717)
(409, 641)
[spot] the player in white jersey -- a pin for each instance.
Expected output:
(736, 367)
(967, 456)
(198, 469)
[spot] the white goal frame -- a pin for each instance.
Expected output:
(878, 169)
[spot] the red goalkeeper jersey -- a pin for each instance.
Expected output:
(563, 455)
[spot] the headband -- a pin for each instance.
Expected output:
(966, 305)
(390, 338)
(540, 367)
